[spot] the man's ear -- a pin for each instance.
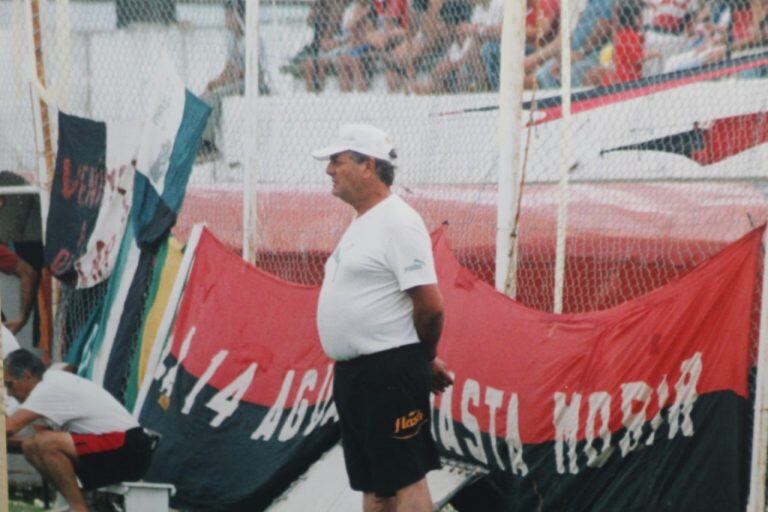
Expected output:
(370, 166)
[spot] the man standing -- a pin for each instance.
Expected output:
(380, 316)
(101, 443)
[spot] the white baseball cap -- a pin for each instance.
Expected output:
(361, 138)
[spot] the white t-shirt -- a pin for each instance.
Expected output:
(363, 307)
(10, 343)
(490, 15)
(77, 405)
(483, 16)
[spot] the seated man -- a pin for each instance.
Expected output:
(448, 74)
(708, 41)
(354, 65)
(100, 442)
(592, 30)
(231, 80)
(13, 265)
(541, 27)
(315, 59)
(665, 28)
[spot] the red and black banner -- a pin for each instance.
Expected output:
(641, 407)
(243, 398)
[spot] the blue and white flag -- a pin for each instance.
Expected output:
(172, 130)
(170, 138)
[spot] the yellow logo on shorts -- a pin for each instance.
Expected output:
(409, 425)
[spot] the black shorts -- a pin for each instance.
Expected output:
(110, 458)
(384, 411)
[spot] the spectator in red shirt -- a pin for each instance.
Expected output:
(627, 55)
(13, 265)
(391, 25)
(541, 26)
(541, 23)
(749, 19)
(627, 46)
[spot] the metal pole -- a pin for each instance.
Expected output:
(251, 98)
(509, 140)
(565, 152)
(756, 501)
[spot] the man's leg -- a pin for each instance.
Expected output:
(548, 75)
(414, 498)
(54, 455)
(411, 498)
(213, 100)
(372, 503)
(491, 56)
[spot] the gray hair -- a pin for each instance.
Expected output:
(21, 360)
(385, 170)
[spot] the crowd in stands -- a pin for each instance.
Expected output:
(450, 46)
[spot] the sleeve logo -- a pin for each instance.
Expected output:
(416, 265)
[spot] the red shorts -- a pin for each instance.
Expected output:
(105, 459)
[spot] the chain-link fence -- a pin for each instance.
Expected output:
(665, 161)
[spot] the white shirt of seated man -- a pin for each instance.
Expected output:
(10, 343)
(71, 403)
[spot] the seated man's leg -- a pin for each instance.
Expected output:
(55, 456)
(113, 457)
(548, 75)
(214, 98)
(491, 56)
(580, 68)
(344, 70)
(214, 101)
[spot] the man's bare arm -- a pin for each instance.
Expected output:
(18, 420)
(27, 285)
(428, 318)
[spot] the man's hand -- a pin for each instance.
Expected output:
(441, 379)
(18, 420)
